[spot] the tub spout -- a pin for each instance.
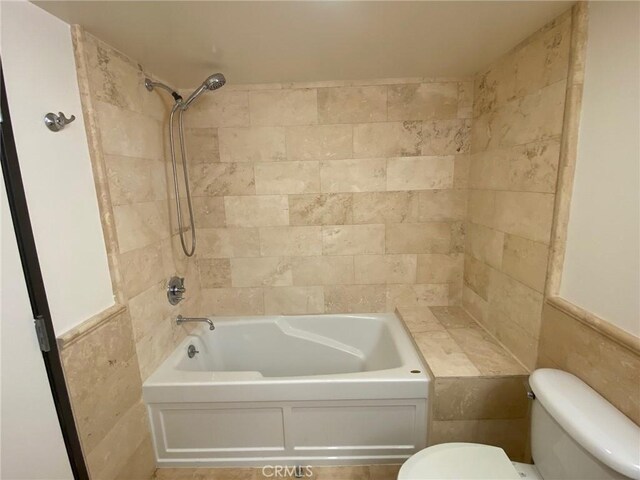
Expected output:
(180, 320)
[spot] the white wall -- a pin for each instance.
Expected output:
(602, 263)
(40, 75)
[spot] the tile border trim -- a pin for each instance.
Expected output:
(85, 328)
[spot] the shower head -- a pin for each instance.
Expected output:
(212, 82)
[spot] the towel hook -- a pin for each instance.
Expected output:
(55, 123)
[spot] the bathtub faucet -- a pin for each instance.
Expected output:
(180, 320)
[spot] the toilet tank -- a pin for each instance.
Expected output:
(577, 434)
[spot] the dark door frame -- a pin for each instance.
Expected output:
(35, 287)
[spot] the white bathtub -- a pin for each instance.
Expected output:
(294, 390)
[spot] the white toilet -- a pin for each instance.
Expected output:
(575, 435)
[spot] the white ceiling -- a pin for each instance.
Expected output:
(265, 41)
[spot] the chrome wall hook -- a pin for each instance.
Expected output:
(55, 123)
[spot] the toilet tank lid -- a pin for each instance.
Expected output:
(592, 421)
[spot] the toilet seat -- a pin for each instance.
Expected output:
(459, 461)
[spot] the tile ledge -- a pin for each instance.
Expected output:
(88, 326)
(609, 330)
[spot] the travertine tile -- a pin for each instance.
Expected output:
(481, 398)
(396, 139)
(283, 107)
(141, 463)
(319, 142)
(420, 319)
(252, 144)
(258, 211)
(232, 301)
(439, 268)
(476, 275)
(222, 179)
(354, 472)
(287, 177)
(458, 234)
(481, 207)
(417, 295)
(140, 269)
(156, 346)
(419, 173)
(290, 241)
(226, 108)
(385, 207)
(228, 242)
(485, 353)
(202, 145)
(475, 305)
(293, 300)
(442, 205)
(140, 224)
(353, 175)
(534, 167)
(526, 261)
(453, 317)
(443, 355)
(147, 308)
(352, 104)
(423, 101)
(465, 99)
(322, 270)
(208, 212)
(259, 272)
(353, 239)
(354, 298)
(528, 215)
(135, 180)
(324, 209)
(214, 272)
(446, 137)
(418, 238)
(380, 269)
(485, 244)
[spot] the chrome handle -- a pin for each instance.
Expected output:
(55, 123)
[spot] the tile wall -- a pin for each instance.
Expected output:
(330, 197)
(515, 146)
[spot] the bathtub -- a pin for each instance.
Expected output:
(290, 390)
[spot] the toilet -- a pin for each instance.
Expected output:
(575, 435)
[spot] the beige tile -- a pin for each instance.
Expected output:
(458, 234)
(141, 464)
(442, 205)
(420, 319)
(135, 180)
(319, 142)
(287, 177)
(140, 269)
(156, 346)
(465, 99)
(481, 207)
(423, 101)
(353, 175)
(383, 472)
(258, 211)
(420, 173)
(208, 212)
(526, 261)
(485, 353)
(140, 224)
(322, 270)
(352, 104)
(353, 239)
(396, 139)
(215, 272)
(223, 109)
(354, 298)
(290, 241)
(228, 242)
(528, 215)
(324, 209)
(476, 276)
(485, 244)
(283, 107)
(252, 144)
(222, 179)
(461, 166)
(385, 207)
(380, 269)
(475, 305)
(202, 145)
(232, 301)
(453, 317)
(495, 86)
(534, 167)
(418, 238)
(293, 300)
(354, 472)
(147, 308)
(259, 272)
(439, 268)
(443, 355)
(417, 295)
(446, 137)
(481, 398)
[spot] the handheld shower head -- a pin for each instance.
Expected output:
(212, 82)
